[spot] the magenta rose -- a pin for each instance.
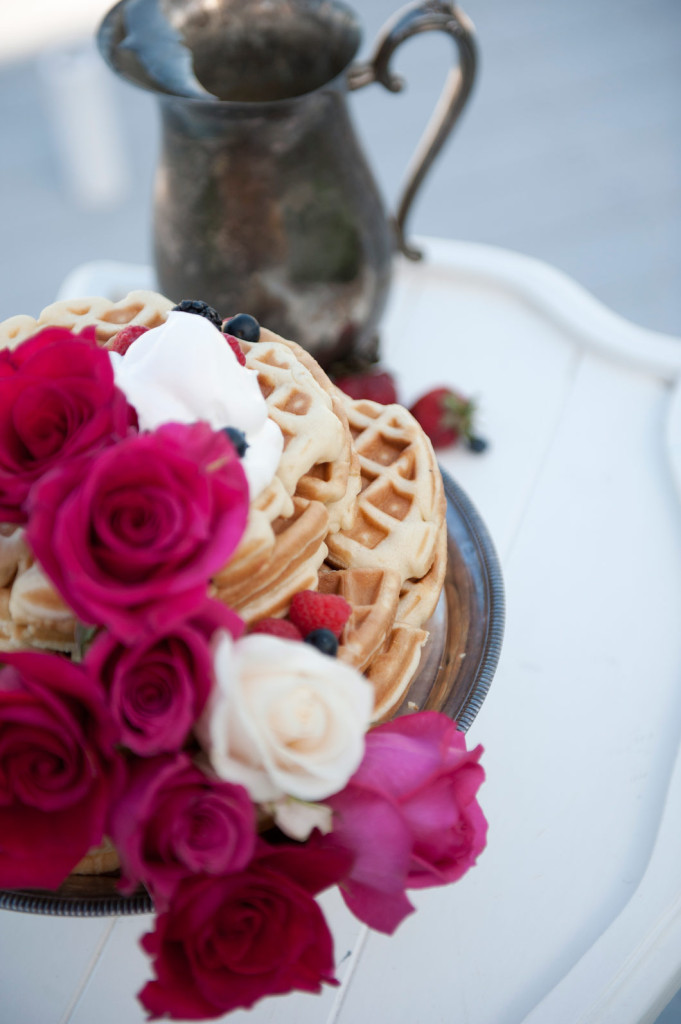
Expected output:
(58, 770)
(409, 815)
(130, 538)
(172, 820)
(157, 688)
(226, 942)
(57, 401)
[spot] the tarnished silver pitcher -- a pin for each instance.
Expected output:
(264, 202)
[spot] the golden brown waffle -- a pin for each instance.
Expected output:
(17, 329)
(374, 640)
(266, 570)
(393, 668)
(341, 477)
(298, 552)
(138, 308)
(100, 860)
(418, 598)
(15, 555)
(401, 507)
(314, 436)
(373, 595)
(257, 544)
(32, 614)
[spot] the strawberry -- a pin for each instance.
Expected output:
(446, 416)
(122, 341)
(376, 385)
(278, 627)
(310, 610)
(236, 348)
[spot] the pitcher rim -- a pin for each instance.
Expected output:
(106, 49)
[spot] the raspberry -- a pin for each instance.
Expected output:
(277, 627)
(376, 386)
(122, 341)
(310, 610)
(236, 348)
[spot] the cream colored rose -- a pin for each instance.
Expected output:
(284, 719)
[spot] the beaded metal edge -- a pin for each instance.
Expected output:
(56, 905)
(492, 581)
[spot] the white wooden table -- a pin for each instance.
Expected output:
(573, 913)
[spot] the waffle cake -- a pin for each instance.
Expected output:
(356, 508)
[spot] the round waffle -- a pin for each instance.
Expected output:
(418, 597)
(392, 669)
(342, 478)
(299, 550)
(401, 507)
(100, 860)
(317, 441)
(137, 309)
(373, 595)
(32, 614)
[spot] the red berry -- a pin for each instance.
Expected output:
(236, 348)
(122, 341)
(445, 416)
(310, 610)
(378, 386)
(277, 627)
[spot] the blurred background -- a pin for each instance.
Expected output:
(569, 150)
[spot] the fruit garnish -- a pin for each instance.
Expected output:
(311, 611)
(447, 416)
(277, 627)
(238, 439)
(122, 341)
(375, 385)
(324, 640)
(236, 348)
(242, 326)
(199, 308)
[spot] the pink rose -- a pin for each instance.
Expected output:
(57, 401)
(173, 821)
(131, 538)
(157, 688)
(227, 942)
(409, 815)
(58, 770)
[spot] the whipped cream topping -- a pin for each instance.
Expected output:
(184, 371)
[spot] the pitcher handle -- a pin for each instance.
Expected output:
(422, 16)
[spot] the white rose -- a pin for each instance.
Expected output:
(284, 719)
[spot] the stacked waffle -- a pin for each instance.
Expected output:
(356, 508)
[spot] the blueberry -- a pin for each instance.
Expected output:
(324, 640)
(477, 444)
(242, 326)
(238, 439)
(200, 309)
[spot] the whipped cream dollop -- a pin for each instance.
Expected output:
(184, 371)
